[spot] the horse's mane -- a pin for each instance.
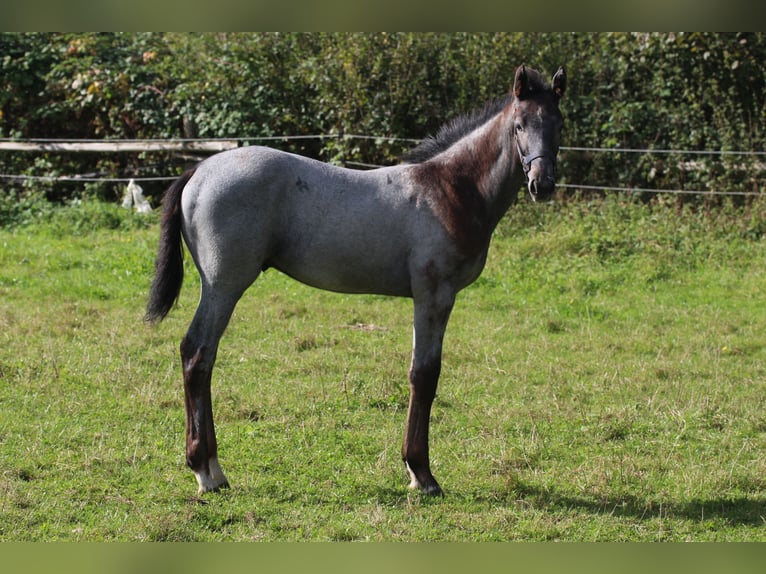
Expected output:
(459, 127)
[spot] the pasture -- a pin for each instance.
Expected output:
(603, 380)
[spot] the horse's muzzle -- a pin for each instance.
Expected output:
(541, 177)
(542, 181)
(542, 190)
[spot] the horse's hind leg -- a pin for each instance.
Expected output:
(198, 352)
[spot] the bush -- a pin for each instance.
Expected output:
(86, 216)
(661, 91)
(21, 208)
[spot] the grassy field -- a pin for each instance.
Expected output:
(605, 379)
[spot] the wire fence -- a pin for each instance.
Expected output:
(48, 145)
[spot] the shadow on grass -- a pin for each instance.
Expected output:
(732, 510)
(735, 510)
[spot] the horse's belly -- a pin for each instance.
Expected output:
(361, 272)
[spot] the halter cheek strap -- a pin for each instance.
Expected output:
(526, 160)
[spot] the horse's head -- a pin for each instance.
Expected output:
(537, 122)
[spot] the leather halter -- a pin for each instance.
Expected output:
(526, 160)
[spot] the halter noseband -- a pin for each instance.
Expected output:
(526, 160)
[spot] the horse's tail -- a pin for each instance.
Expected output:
(169, 265)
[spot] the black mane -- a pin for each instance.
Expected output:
(454, 130)
(461, 126)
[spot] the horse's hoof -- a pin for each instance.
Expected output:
(211, 479)
(432, 489)
(224, 486)
(428, 486)
(208, 484)
(213, 489)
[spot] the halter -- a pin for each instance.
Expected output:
(526, 160)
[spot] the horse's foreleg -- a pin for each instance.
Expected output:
(423, 381)
(198, 353)
(430, 323)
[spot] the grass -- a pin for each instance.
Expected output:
(603, 380)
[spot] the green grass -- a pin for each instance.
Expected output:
(605, 379)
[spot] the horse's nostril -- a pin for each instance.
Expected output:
(543, 189)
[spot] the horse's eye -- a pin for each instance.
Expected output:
(519, 128)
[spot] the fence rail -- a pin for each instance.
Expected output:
(118, 146)
(41, 145)
(221, 144)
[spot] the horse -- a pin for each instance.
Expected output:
(418, 229)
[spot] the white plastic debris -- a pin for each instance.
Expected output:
(134, 195)
(127, 198)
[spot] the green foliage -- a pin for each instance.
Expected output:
(669, 91)
(91, 216)
(661, 91)
(79, 216)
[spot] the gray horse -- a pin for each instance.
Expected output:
(420, 229)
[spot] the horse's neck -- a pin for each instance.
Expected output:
(488, 155)
(506, 178)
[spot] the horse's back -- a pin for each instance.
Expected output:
(331, 227)
(256, 176)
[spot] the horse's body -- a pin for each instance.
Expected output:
(420, 229)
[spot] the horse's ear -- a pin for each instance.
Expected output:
(559, 82)
(521, 82)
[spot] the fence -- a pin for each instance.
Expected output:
(217, 145)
